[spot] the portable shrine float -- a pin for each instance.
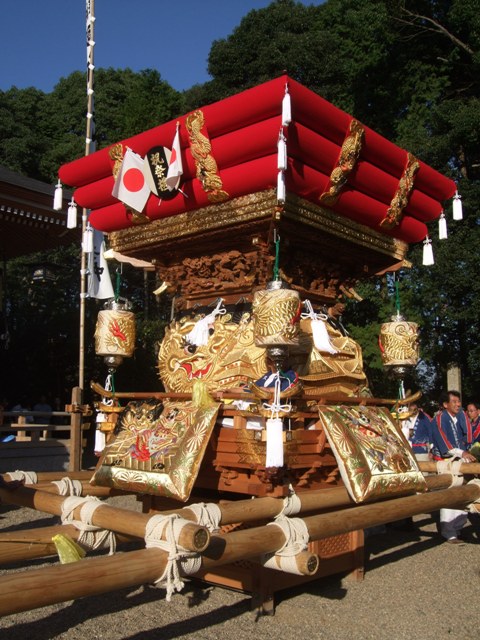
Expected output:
(259, 219)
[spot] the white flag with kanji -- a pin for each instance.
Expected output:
(99, 283)
(175, 165)
(131, 186)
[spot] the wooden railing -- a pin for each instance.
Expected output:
(46, 433)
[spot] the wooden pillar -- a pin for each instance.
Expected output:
(76, 418)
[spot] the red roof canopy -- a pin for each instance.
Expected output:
(333, 161)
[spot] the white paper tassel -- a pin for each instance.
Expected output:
(58, 197)
(281, 152)
(274, 456)
(321, 339)
(72, 215)
(442, 227)
(427, 252)
(200, 334)
(457, 206)
(286, 108)
(281, 192)
(87, 243)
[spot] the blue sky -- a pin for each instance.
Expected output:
(44, 40)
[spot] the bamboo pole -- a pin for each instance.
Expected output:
(29, 590)
(131, 523)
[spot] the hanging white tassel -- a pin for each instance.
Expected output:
(442, 227)
(58, 197)
(321, 339)
(286, 108)
(281, 152)
(281, 190)
(427, 252)
(274, 457)
(457, 206)
(100, 442)
(72, 215)
(199, 335)
(87, 242)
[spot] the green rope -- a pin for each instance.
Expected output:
(397, 296)
(277, 256)
(117, 285)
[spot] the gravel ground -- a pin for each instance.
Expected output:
(415, 586)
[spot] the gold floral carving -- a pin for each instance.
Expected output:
(346, 162)
(207, 169)
(400, 199)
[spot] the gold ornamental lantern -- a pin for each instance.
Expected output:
(399, 346)
(276, 315)
(115, 332)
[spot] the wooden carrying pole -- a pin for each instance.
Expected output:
(17, 546)
(315, 500)
(36, 543)
(29, 590)
(131, 523)
(466, 468)
(50, 476)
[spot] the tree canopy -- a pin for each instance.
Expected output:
(409, 69)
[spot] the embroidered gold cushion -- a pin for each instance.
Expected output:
(373, 458)
(157, 448)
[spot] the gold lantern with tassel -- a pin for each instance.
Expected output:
(115, 332)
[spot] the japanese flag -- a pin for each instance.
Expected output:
(175, 166)
(131, 186)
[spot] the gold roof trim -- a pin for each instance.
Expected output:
(252, 207)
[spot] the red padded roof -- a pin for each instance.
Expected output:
(241, 134)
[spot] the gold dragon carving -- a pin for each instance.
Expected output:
(206, 165)
(347, 161)
(400, 199)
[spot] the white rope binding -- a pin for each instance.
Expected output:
(29, 477)
(68, 487)
(207, 515)
(296, 540)
(91, 536)
(471, 508)
(451, 466)
(180, 561)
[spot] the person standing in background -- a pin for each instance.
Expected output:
(451, 438)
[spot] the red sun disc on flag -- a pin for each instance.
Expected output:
(133, 179)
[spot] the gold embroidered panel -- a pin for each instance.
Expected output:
(373, 458)
(157, 448)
